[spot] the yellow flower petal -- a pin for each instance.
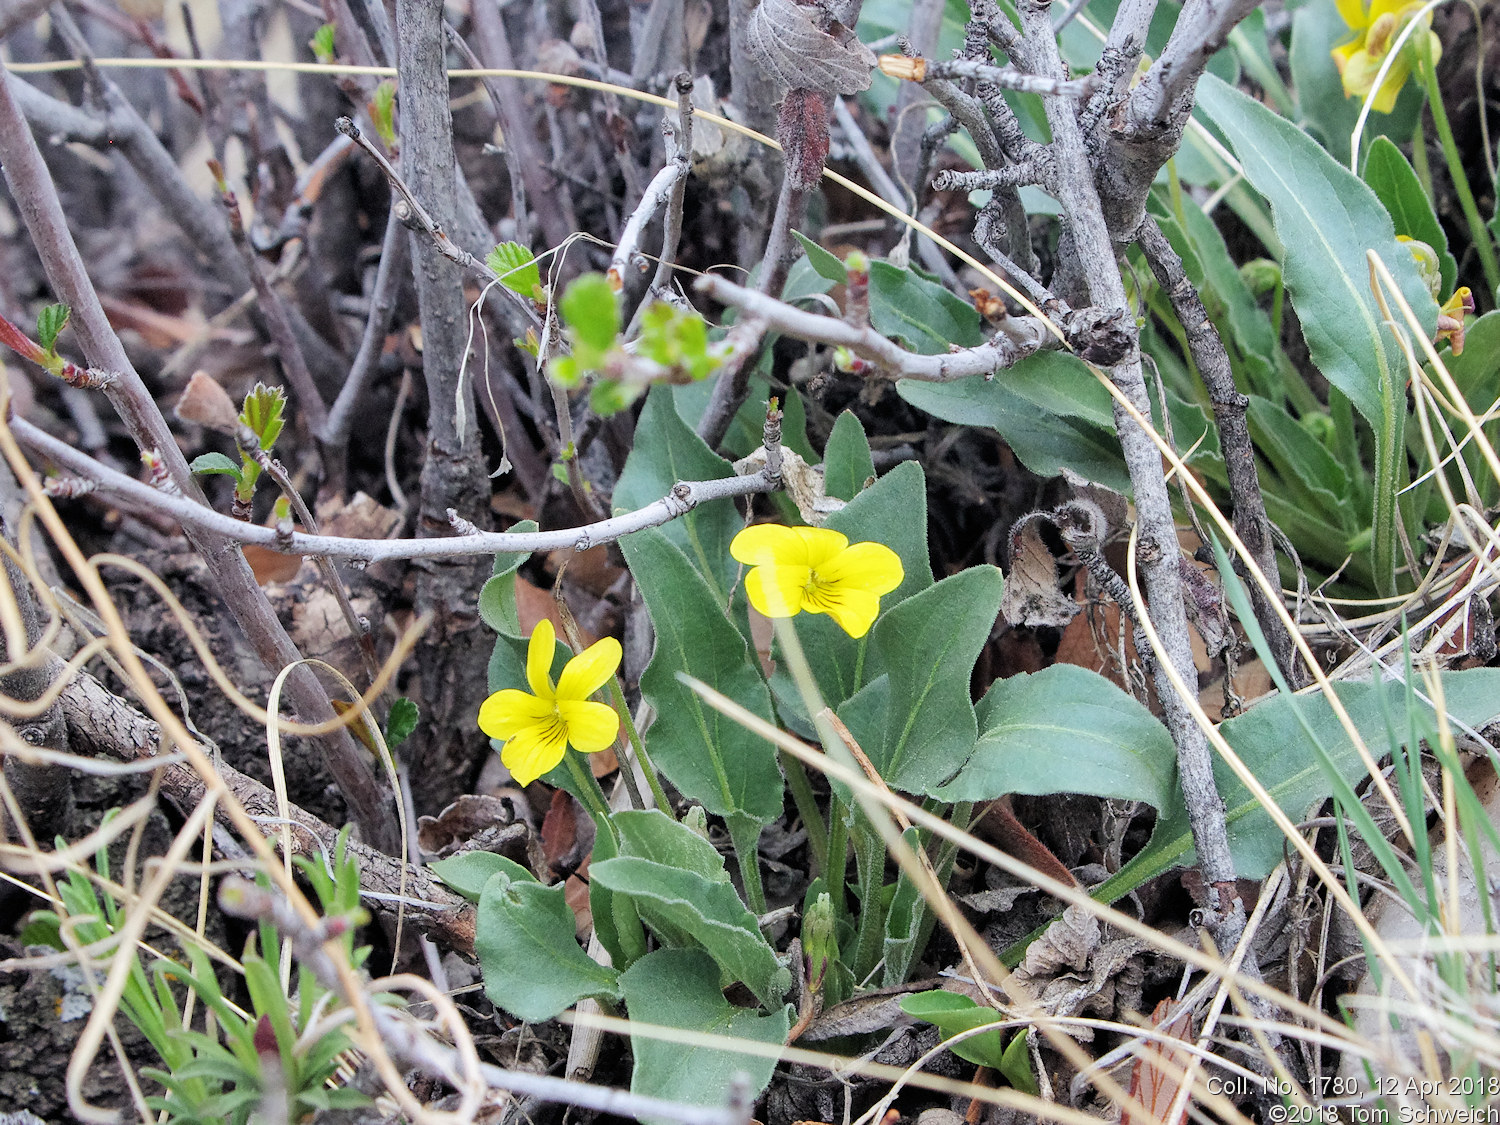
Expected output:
(778, 591)
(1379, 8)
(771, 543)
(1341, 56)
(587, 672)
(507, 712)
(821, 544)
(1353, 13)
(539, 654)
(872, 567)
(853, 609)
(591, 726)
(535, 750)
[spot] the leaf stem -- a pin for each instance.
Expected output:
(838, 852)
(869, 857)
(744, 834)
(638, 748)
(807, 808)
(1483, 245)
(589, 791)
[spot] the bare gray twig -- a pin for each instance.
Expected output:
(1093, 262)
(202, 520)
(1251, 522)
(1023, 336)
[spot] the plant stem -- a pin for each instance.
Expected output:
(1483, 245)
(807, 808)
(1419, 161)
(744, 834)
(589, 791)
(838, 852)
(960, 817)
(869, 857)
(627, 772)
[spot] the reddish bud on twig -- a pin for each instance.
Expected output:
(68, 488)
(802, 129)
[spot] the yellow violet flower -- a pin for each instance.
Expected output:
(1450, 321)
(814, 569)
(1375, 28)
(538, 725)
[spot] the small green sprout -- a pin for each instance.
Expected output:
(517, 268)
(383, 112)
(322, 44)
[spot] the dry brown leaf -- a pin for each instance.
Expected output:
(1031, 593)
(784, 39)
(205, 403)
(271, 566)
(533, 604)
(476, 822)
(359, 517)
(1154, 1078)
(564, 838)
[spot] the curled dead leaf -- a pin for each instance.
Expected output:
(205, 403)
(785, 40)
(803, 482)
(1032, 596)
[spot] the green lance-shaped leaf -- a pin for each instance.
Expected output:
(905, 305)
(683, 907)
(680, 988)
(1066, 730)
(709, 757)
(1394, 181)
(916, 723)
(846, 459)
(1276, 748)
(532, 964)
(652, 834)
(667, 451)
(497, 597)
(1328, 219)
(952, 1012)
(517, 268)
(468, 872)
(923, 315)
(1050, 409)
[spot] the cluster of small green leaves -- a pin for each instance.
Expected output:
(263, 412)
(219, 1078)
(673, 344)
